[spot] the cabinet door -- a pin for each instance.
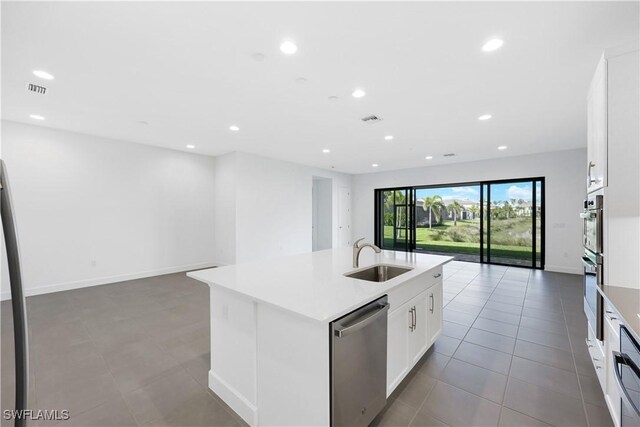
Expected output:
(418, 333)
(612, 343)
(434, 310)
(597, 129)
(398, 323)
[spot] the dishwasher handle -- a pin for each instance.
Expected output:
(372, 316)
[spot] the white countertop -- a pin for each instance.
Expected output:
(313, 284)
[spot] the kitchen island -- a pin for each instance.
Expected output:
(270, 347)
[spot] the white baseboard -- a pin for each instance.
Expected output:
(234, 399)
(106, 280)
(560, 269)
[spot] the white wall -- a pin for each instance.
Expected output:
(564, 173)
(225, 209)
(273, 206)
(92, 210)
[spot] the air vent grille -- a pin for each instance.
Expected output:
(449, 155)
(36, 89)
(371, 119)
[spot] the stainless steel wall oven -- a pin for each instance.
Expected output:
(592, 217)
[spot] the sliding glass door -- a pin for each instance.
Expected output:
(497, 222)
(514, 226)
(395, 229)
(448, 221)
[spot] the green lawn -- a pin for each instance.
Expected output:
(465, 238)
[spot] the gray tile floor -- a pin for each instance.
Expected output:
(127, 354)
(512, 353)
(137, 353)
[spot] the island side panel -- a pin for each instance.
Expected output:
(233, 352)
(293, 369)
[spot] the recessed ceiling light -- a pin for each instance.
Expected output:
(358, 93)
(326, 151)
(484, 117)
(36, 116)
(375, 165)
(429, 157)
(492, 44)
(288, 47)
(388, 137)
(43, 75)
(234, 128)
(502, 147)
(190, 146)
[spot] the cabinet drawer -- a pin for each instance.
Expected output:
(413, 287)
(612, 320)
(597, 356)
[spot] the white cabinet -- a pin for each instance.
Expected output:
(434, 312)
(418, 332)
(406, 338)
(398, 322)
(597, 129)
(612, 343)
(621, 242)
(413, 324)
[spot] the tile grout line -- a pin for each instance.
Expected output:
(514, 348)
(453, 357)
(573, 357)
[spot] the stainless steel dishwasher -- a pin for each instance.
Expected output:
(359, 365)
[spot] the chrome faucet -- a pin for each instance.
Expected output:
(357, 248)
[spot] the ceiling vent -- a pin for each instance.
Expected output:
(36, 89)
(371, 119)
(449, 155)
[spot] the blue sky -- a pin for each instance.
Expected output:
(499, 192)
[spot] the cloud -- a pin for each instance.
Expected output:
(515, 192)
(465, 190)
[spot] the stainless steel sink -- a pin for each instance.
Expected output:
(378, 273)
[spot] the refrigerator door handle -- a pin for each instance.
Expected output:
(17, 298)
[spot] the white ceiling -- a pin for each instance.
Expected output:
(187, 69)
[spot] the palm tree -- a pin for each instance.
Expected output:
(455, 208)
(400, 198)
(433, 204)
(507, 209)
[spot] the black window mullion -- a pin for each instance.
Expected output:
(489, 224)
(533, 224)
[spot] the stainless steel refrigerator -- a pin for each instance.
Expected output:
(17, 298)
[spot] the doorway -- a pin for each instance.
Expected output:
(321, 214)
(496, 222)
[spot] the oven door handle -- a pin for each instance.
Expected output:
(624, 359)
(590, 265)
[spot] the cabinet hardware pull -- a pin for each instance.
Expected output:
(437, 275)
(432, 303)
(415, 318)
(411, 327)
(591, 180)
